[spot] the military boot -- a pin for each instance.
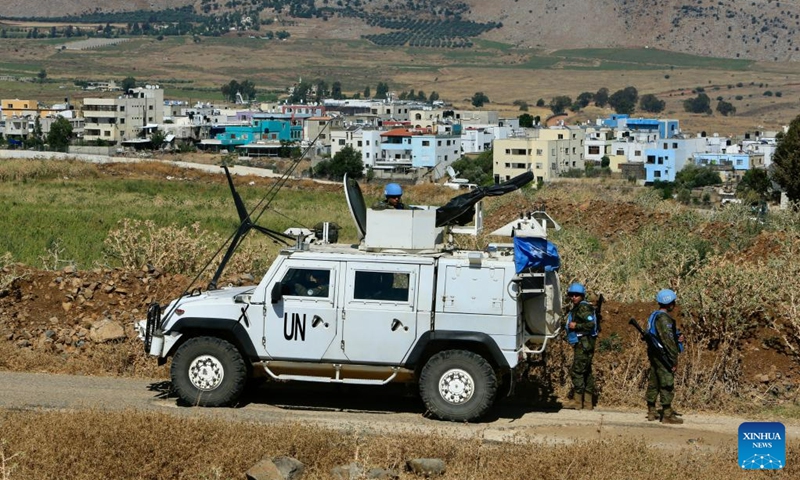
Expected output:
(670, 417)
(652, 413)
(588, 401)
(574, 403)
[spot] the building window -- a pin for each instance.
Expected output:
(122, 108)
(341, 141)
(637, 153)
(594, 150)
(122, 121)
(359, 143)
(620, 151)
(539, 152)
(561, 136)
(426, 143)
(538, 166)
(657, 174)
(675, 145)
(368, 143)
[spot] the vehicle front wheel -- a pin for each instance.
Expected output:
(458, 385)
(208, 372)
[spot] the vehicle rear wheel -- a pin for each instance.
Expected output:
(208, 372)
(458, 385)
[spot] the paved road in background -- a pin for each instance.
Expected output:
(369, 409)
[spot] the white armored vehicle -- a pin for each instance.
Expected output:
(401, 306)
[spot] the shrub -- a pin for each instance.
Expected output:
(139, 244)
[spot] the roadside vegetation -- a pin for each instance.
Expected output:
(52, 445)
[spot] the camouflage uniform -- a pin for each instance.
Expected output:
(662, 381)
(581, 371)
(385, 205)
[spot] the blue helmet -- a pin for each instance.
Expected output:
(577, 288)
(666, 296)
(393, 190)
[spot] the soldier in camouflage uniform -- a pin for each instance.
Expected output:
(393, 200)
(661, 381)
(581, 334)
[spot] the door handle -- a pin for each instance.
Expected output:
(397, 324)
(317, 320)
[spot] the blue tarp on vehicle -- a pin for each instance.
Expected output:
(535, 254)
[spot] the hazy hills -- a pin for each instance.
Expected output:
(754, 29)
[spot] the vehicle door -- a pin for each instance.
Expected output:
(302, 324)
(379, 319)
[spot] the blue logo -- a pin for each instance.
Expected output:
(762, 446)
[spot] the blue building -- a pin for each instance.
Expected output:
(659, 165)
(260, 130)
(734, 161)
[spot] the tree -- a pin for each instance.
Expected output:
(584, 99)
(60, 134)
(526, 120)
(382, 90)
(346, 160)
(786, 162)
(433, 97)
(479, 99)
(755, 182)
(230, 90)
(157, 139)
(477, 170)
(41, 75)
(128, 83)
(336, 90)
(650, 103)
(300, 92)
(692, 176)
(700, 104)
(38, 136)
(624, 101)
(726, 108)
(560, 104)
(367, 93)
(601, 97)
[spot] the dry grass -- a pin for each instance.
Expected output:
(78, 445)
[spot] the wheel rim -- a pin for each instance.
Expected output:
(206, 372)
(456, 386)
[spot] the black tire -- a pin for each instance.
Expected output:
(208, 372)
(458, 385)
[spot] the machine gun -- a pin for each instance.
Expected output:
(653, 345)
(460, 210)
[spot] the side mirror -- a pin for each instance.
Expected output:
(277, 292)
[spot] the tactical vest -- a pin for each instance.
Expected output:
(574, 337)
(651, 327)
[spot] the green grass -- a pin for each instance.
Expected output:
(649, 56)
(78, 213)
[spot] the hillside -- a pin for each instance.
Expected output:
(758, 30)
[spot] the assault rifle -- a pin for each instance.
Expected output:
(653, 345)
(598, 312)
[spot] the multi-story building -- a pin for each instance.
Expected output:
(124, 117)
(547, 152)
(597, 143)
(434, 149)
(366, 140)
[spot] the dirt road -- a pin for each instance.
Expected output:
(369, 410)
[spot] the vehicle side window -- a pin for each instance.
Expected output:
(307, 282)
(389, 286)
